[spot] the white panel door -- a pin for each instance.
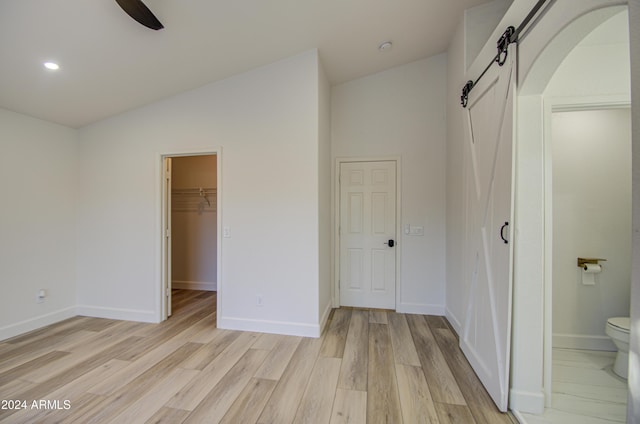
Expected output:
(486, 338)
(367, 234)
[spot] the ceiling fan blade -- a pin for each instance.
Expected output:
(141, 13)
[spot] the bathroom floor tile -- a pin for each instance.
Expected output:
(616, 412)
(552, 416)
(585, 390)
(583, 358)
(594, 377)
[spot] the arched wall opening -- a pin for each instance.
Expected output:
(540, 53)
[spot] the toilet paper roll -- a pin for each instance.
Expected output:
(591, 268)
(589, 272)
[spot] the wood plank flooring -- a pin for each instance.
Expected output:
(368, 367)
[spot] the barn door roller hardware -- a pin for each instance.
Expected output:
(509, 36)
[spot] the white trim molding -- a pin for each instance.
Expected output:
(31, 324)
(118, 313)
(453, 320)
(273, 327)
(531, 402)
(420, 308)
(160, 313)
(325, 316)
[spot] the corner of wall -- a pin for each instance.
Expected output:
(39, 243)
(453, 320)
(325, 208)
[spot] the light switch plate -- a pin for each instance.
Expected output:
(417, 231)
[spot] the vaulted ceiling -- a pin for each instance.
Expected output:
(109, 63)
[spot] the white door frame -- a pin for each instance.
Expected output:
(336, 227)
(161, 306)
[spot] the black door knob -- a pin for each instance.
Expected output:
(390, 243)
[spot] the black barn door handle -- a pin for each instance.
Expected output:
(506, 224)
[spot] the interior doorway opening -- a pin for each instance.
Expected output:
(587, 142)
(190, 256)
(544, 51)
(367, 232)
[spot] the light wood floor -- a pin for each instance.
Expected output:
(369, 366)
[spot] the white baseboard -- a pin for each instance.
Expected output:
(31, 324)
(274, 327)
(325, 316)
(420, 308)
(580, 341)
(194, 285)
(518, 416)
(453, 320)
(118, 313)
(523, 401)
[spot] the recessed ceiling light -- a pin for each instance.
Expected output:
(52, 66)
(385, 46)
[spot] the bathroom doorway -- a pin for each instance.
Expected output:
(588, 215)
(591, 218)
(190, 230)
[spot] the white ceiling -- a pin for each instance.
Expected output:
(110, 63)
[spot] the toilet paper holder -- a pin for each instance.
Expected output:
(583, 261)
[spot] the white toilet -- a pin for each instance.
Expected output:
(618, 329)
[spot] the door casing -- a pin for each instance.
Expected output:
(336, 222)
(163, 254)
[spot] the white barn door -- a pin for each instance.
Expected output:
(486, 338)
(368, 234)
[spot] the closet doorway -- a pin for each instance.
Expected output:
(189, 229)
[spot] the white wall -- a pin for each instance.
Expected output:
(194, 232)
(597, 67)
(38, 182)
(265, 125)
(400, 112)
(591, 154)
(479, 23)
(456, 285)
